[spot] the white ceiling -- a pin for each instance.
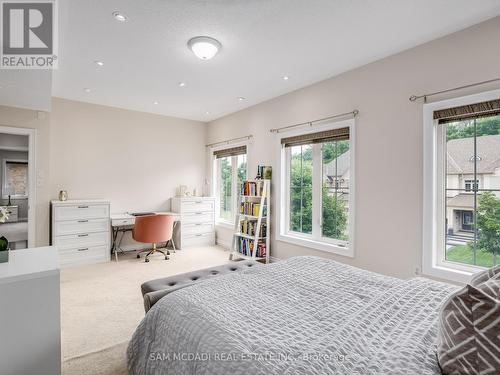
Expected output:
(263, 40)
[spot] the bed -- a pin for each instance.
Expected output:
(304, 315)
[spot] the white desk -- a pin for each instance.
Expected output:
(124, 222)
(30, 325)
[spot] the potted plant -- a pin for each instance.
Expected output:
(4, 244)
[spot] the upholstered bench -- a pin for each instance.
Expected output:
(154, 290)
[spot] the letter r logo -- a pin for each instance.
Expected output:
(27, 28)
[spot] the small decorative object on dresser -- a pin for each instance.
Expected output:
(81, 231)
(63, 195)
(197, 227)
(252, 222)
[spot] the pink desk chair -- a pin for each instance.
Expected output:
(153, 229)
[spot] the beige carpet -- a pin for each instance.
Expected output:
(101, 305)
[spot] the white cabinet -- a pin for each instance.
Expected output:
(197, 227)
(80, 229)
(30, 313)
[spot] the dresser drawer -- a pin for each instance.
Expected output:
(197, 217)
(81, 211)
(197, 206)
(197, 228)
(81, 226)
(200, 239)
(82, 240)
(83, 255)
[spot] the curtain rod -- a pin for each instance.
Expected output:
(311, 123)
(415, 97)
(229, 141)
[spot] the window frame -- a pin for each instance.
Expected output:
(234, 182)
(315, 240)
(434, 196)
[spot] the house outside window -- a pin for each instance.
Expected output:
(462, 186)
(316, 192)
(471, 185)
(230, 170)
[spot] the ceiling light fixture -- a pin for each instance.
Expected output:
(204, 47)
(286, 78)
(86, 89)
(97, 62)
(120, 16)
(156, 102)
(182, 84)
(241, 98)
(207, 113)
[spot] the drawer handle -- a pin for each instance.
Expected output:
(198, 224)
(83, 221)
(199, 235)
(199, 213)
(83, 249)
(83, 206)
(198, 201)
(83, 235)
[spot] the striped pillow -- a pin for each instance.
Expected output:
(468, 340)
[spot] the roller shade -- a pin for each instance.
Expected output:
(233, 151)
(484, 109)
(341, 134)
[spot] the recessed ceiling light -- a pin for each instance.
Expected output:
(286, 78)
(207, 113)
(120, 16)
(204, 47)
(97, 62)
(156, 102)
(86, 89)
(241, 98)
(182, 84)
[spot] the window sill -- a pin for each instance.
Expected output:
(451, 271)
(316, 245)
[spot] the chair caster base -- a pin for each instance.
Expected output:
(166, 258)
(138, 256)
(146, 260)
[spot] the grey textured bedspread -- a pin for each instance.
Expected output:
(305, 315)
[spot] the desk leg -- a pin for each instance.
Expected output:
(113, 248)
(172, 239)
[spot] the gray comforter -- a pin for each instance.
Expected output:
(305, 315)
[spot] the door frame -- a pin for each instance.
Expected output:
(31, 133)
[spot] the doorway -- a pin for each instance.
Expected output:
(17, 186)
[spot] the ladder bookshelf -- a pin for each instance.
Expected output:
(252, 222)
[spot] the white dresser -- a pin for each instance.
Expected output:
(81, 231)
(197, 227)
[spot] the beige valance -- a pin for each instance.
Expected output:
(483, 109)
(319, 137)
(233, 151)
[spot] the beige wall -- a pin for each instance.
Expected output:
(135, 159)
(389, 138)
(25, 118)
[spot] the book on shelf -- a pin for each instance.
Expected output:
(247, 247)
(253, 209)
(248, 227)
(252, 188)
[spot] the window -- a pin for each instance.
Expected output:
(315, 188)
(471, 185)
(15, 179)
(462, 188)
(230, 170)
